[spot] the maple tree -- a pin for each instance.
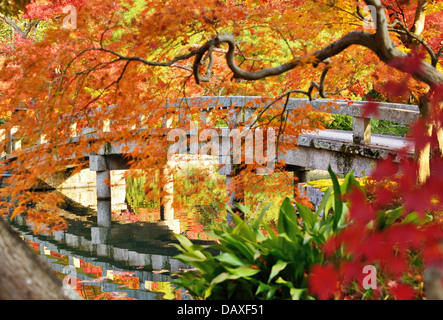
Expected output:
(72, 76)
(139, 55)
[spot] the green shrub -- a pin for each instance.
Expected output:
(255, 262)
(343, 122)
(339, 122)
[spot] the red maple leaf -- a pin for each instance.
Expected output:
(433, 248)
(397, 89)
(396, 266)
(359, 209)
(436, 95)
(330, 246)
(352, 238)
(370, 108)
(425, 203)
(404, 236)
(375, 248)
(419, 134)
(324, 281)
(383, 197)
(384, 169)
(411, 63)
(408, 178)
(402, 291)
(352, 271)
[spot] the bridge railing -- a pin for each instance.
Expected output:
(245, 108)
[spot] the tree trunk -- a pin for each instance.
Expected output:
(431, 149)
(23, 276)
(424, 159)
(433, 283)
(423, 155)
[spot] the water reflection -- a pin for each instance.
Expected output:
(132, 259)
(127, 261)
(93, 279)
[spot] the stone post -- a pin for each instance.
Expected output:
(301, 173)
(167, 193)
(98, 163)
(361, 130)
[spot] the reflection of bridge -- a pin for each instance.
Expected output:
(344, 151)
(111, 251)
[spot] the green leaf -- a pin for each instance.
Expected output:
(338, 199)
(276, 268)
(243, 271)
(263, 287)
(243, 229)
(243, 209)
(296, 293)
(271, 233)
(324, 200)
(239, 246)
(255, 224)
(287, 220)
(414, 218)
(185, 242)
(306, 214)
(349, 182)
(230, 259)
(217, 280)
(266, 208)
(394, 214)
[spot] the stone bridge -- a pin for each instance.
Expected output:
(344, 151)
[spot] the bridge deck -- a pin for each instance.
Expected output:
(377, 140)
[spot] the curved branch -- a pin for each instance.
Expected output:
(406, 31)
(12, 23)
(379, 42)
(355, 37)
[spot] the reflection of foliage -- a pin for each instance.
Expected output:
(162, 287)
(199, 186)
(199, 194)
(136, 193)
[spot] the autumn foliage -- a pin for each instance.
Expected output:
(128, 60)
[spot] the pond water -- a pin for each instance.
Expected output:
(130, 260)
(133, 259)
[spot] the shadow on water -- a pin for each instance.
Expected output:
(126, 261)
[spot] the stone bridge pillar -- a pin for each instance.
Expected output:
(98, 164)
(167, 193)
(301, 173)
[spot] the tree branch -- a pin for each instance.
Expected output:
(420, 17)
(12, 24)
(379, 42)
(405, 31)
